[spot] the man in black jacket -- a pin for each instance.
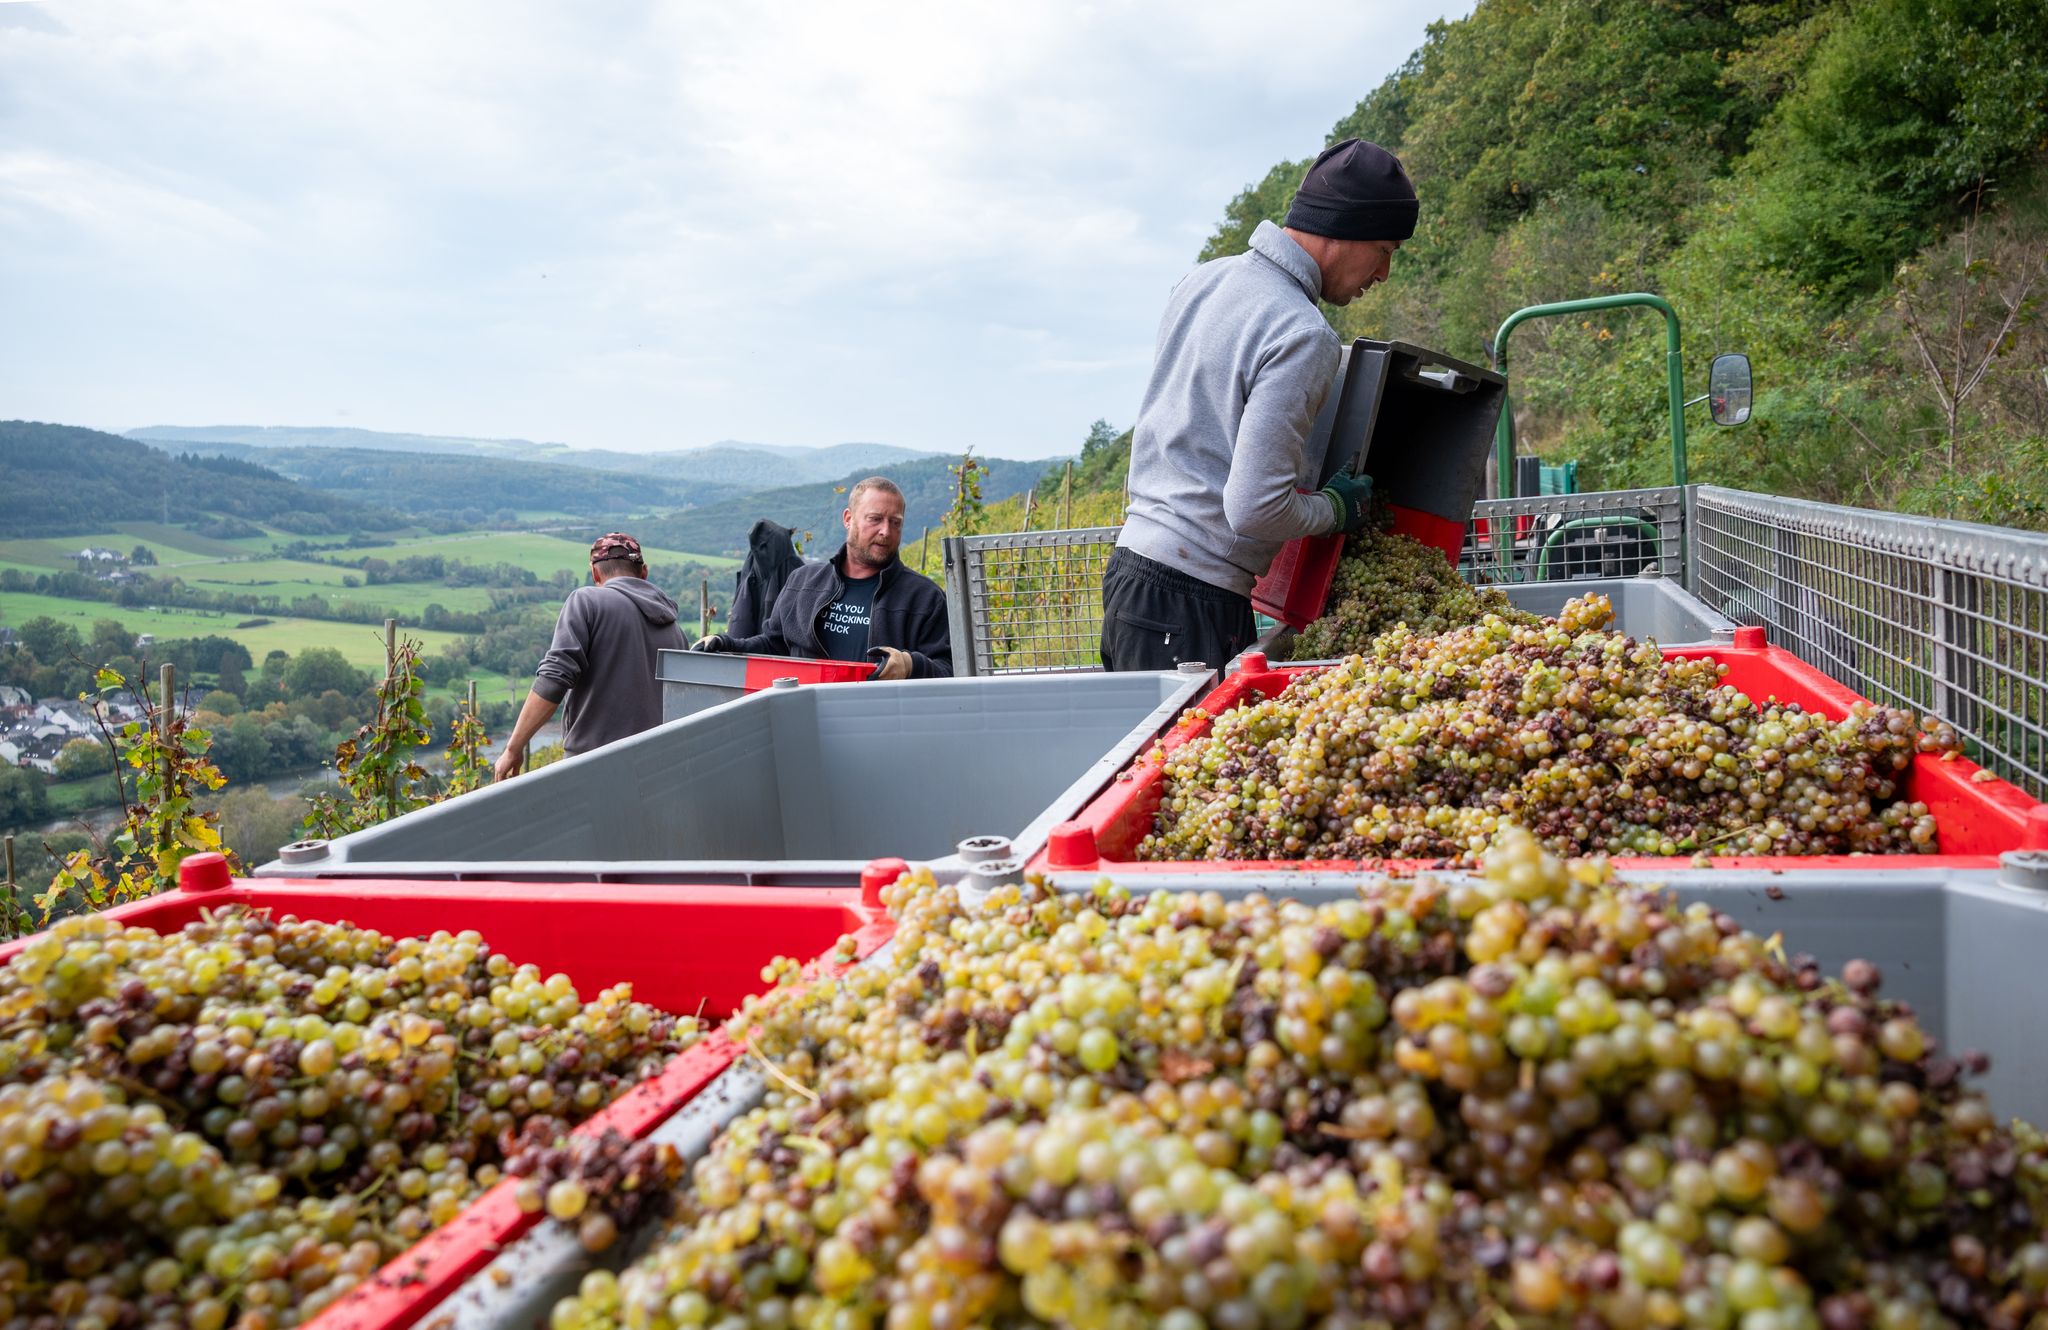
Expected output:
(862, 603)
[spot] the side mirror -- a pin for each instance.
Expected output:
(1728, 389)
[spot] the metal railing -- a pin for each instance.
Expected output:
(1027, 600)
(1949, 618)
(1562, 537)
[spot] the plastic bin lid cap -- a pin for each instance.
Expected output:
(204, 872)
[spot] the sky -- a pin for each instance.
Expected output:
(636, 225)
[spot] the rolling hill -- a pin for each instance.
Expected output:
(60, 479)
(473, 489)
(727, 463)
(721, 528)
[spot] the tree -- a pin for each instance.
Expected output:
(22, 801)
(82, 758)
(142, 554)
(232, 680)
(1962, 306)
(221, 703)
(50, 641)
(256, 823)
(109, 640)
(317, 669)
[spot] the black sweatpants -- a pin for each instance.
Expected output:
(1154, 617)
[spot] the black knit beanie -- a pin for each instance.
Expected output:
(1355, 191)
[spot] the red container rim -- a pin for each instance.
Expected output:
(410, 1286)
(1978, 818)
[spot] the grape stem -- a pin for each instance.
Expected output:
(371, 1190)
(779, 1074)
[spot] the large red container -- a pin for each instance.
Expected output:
(685, 949)
(1976, 819)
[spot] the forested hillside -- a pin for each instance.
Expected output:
(928, 494)
(1853, 193)
(728, 463)
(454, 490)
(56, 479)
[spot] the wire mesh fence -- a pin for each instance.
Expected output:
(1564, 537)
(1028, 600)
(1950, 618)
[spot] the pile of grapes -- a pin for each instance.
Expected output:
(1531, 1099)
(1384, 580)
(235, 1123)
(1426, 746)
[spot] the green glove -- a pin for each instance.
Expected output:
(1349, 496)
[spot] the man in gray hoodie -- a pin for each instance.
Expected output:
(602, 658)
(1220, 455)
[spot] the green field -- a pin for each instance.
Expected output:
(542, 554)
(288, 579)
(361, 644)
(214, 565)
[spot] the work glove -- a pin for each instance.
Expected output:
(1350, 496)
(890, 663)
(715, 642)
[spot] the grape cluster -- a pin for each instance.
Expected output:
(1384, 580)
(235, 1123)
(1427, 746)
(1531, 1098)
(600, 1184)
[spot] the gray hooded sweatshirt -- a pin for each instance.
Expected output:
(602, 660)
(1221, 446)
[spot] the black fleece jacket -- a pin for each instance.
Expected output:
(909, 614)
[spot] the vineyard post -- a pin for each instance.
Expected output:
(1029, 495)
(7, 843)
(470, 746)
(390, 668)
(167, 683)
(1063, 565)
(924, 549)
(704, 607)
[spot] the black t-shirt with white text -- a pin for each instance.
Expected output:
(844, 629)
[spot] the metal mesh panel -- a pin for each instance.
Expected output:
(1560, 537)
(1945, 617)
(1029, 600)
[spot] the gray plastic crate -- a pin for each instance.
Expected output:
(1652, 608)
(1965, 948)
(694, 681)
(1646, 607)
(789, 786)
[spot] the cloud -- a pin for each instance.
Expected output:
(636, 225)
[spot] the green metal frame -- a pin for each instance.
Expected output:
(1674, 366)
(1557, 537)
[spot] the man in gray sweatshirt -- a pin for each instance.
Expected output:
(602, 658)
(1220, 455)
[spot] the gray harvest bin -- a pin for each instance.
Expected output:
(1965, 948)
(1644, 607)
(789, 786)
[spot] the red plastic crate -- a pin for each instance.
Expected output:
(1976, 820)
(694, 680)
(683, 948)
(1297, 586)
